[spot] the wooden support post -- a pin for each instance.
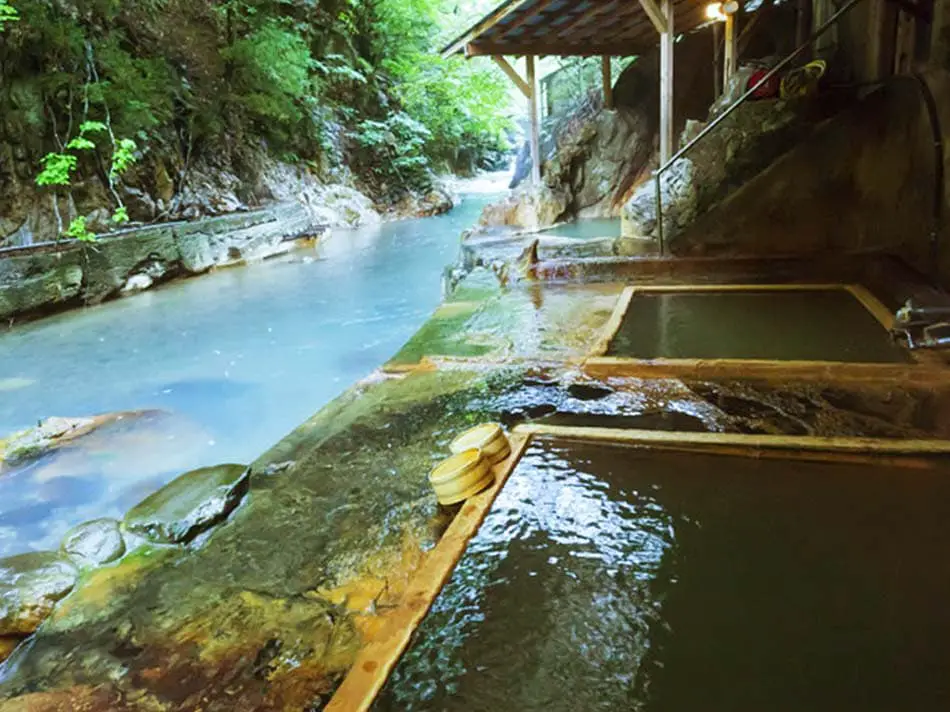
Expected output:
(904, 52)
(513, 75)
(666, 84)
(658, 16)
(535, 121)
(802, 20)
(823, 47)
(729, 54)
(608, 82)
(717, 59)
(872, 53)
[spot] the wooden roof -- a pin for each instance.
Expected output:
(579, 28)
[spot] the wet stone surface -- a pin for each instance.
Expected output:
(190, 504)
(30, 586)
(615, 578)
(269, 611)
(94, 543)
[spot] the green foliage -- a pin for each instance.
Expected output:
(271, 72)
(81, 143)
(396, 146)
(120, 216)
(88, 127)
(8, 13)
(463, 105)
(324, 82)
(123, 156)
(77, 230)
(57, 169)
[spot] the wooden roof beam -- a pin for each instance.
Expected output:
(556, 49)
(483, 25)
(614, 22)
(537, 11)
(583, 18)
(513, 75)
(656, 15)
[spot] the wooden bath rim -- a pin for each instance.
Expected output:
(379, 657)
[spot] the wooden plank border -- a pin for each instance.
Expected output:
(610, 329)
(884, 316)
(923, 367)
(378, 658)
(889, 374)
(748, 443)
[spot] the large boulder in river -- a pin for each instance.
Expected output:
(30, 586)
(50, 433)
(529, 207)
(94, 543)
(190, 504)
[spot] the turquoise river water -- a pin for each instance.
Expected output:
(229, 362)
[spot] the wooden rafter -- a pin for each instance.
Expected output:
(656, 15)
(537, 11)
(618, 20)
(513, 75)
(483, 25)
(592, 13)
(624, 49)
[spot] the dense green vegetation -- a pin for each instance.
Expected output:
(349, 87)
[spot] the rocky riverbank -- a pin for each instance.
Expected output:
(254, 588)
(41, 279)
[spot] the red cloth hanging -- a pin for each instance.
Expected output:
(769, 90)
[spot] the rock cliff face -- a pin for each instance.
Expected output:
(863, 179)
(594, 156)
(57, 276)
(205, 190)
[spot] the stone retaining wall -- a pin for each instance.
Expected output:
(55, 276)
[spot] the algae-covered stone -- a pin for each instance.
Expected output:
(8, 645)
(45, 436)
(189, 505)
(94, 543)
(30, 585)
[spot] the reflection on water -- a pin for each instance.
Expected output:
(553, 603)
(589, 228)
(244, 355)
(100, 475)
(787, 325)
(612, 578)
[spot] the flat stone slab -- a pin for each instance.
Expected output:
(30, 586)
(94, 543)
(190, 504)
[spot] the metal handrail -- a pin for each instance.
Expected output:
(847, 7)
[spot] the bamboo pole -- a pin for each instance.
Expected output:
(378, 658)
(793, 443)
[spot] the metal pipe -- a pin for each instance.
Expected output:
(847, 7)
(912, 315)
(659, 216)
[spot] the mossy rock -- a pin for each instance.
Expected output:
(190, 504)
(94, 543)
(30, 586)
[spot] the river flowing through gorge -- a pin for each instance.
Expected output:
(223, 365)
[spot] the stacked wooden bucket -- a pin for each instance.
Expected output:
(469, 470)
